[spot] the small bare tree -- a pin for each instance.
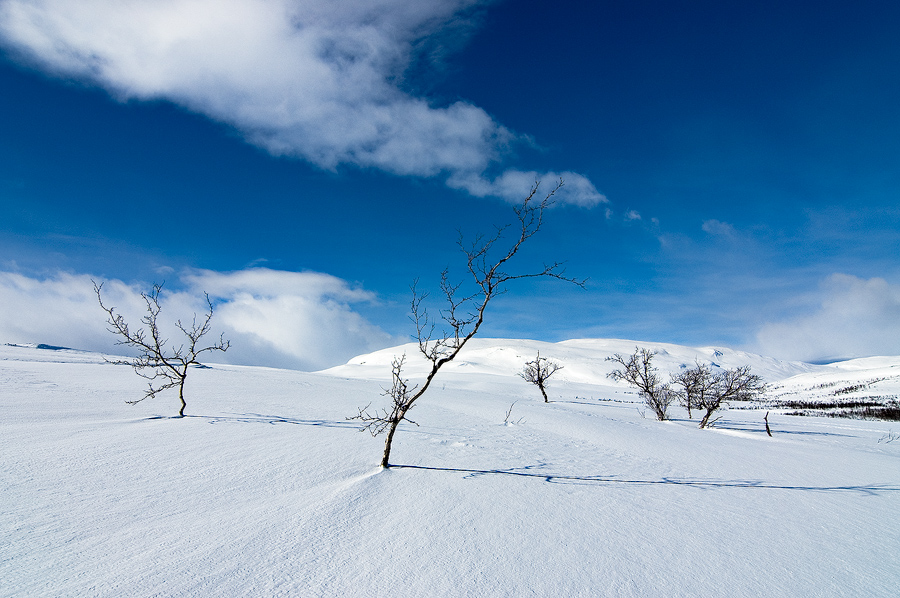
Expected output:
(463, 314)
(538, 371)
(506, 420)
(695, 384)
(163, 367)
(737, 384)
(638, 371)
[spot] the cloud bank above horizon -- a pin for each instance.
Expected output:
(308, 320)
(295, 320)
(321, 81)
(855, 318)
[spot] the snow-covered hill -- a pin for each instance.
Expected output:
(583, 360)
(584, 363)
(265, 488)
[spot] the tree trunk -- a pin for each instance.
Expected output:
(387, 445)
(544, 392)
(706, 417)
(766, 419)
(181, 397)
(396, 422)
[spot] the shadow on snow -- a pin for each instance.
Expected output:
(527, 471)
(872, 489)
(259, 418)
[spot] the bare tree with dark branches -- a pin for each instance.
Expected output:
(638, 371)
(164, 367)
(464, 311)
(695, 384)
(737, 384)
(539, 371)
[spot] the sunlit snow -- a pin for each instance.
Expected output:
(266, 489)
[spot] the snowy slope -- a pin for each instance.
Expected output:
(584, 363)
(266, 490)
(583, 360)
(873, 380)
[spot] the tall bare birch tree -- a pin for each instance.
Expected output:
(464, 311)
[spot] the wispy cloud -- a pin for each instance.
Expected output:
(319, 80)
(513, 185)
(856, 317)
(302, 320)
(718, 228)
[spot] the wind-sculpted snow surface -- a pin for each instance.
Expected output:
(267, 490)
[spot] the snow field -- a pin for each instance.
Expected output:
(266, 490)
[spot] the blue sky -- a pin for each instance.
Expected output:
(731, 168)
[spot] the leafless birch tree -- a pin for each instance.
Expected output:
(539, 371)
(695, 383)
(464, 310)
(164, 367)
(737, 384)
(638, 371)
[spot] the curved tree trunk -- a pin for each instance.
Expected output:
(181, 396)
(387, 444)
(401, 415)
(489, 280)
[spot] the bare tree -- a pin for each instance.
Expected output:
(737, 384)
(695, 383)
(162, 366)
(538, 371)
(506, 420)
(464, 311)
(638, 371)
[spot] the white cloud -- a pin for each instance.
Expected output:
(298, 319)
(514, 185)
(60, 310)
(303, 320)
(315, 79)
(856, 318)
(310, 79)
(717, 228)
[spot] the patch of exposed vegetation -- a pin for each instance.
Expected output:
(823, 385)
(872, 407)
(857, 387)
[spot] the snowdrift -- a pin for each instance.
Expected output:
(265, 488)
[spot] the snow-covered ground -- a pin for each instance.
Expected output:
(265, 489)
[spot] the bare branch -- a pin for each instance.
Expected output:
(538, 372)
(155, 362)
(464, 310)
(696, 383)
(638, 371)
(702, 389)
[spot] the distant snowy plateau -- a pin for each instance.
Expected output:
(265, 488)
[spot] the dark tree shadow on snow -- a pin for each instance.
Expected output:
(599, 480)
(740, 426)
(260, 418)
